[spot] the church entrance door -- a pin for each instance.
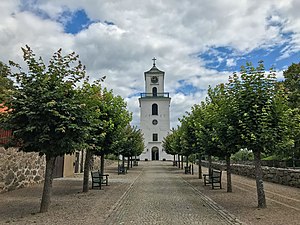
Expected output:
(155, 153)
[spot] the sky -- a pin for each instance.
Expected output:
(197, 43)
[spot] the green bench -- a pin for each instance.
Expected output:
(99, 179)
(122, 169)
(214, 178)
(187, 169)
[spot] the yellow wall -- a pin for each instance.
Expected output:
(69, 165)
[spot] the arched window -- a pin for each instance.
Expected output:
(154, 91)
(154, 109)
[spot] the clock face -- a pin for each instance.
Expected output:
(154, 122)
(154, 79)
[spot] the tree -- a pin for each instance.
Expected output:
(91, 95)
(6, 84)
(172, 145)
(188, 138)
(261, 115)
(46, 113)
(204, 115)
(130, 143)
(104, 119)
(117, 117)
(225, 125)
(168, 143)
(292, 85)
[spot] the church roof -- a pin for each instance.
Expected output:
(154, 69)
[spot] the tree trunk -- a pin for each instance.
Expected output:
(174, 160)
(128, 163)
(47, 191)
(131, 162)
(200, 168)
(181, 161)
(81, 163)
(178, 161)
(187, 160)
(86, 172)
(102, 163)
(209, 164)
(261, 198)
(228, 168)
(123, 161)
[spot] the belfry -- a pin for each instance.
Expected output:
(154, 115)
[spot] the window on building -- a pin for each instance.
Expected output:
(154, 91)
(154, 109)
(155, 137)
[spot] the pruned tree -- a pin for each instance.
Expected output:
(225, 125)
(130, 143)
(261, 115)
(292, 87)
(45, 111)
(168, 143)
(115, 117)
(106, 115)
(6, 84)
(91, 95)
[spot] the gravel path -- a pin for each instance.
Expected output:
(152, 193)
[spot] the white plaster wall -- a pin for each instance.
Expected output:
(162, 128)
(146, 117)
(159, 84)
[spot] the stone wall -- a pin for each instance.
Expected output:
(290, 177)
(20, 169)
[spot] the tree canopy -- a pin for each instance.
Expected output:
(6, 84)
(45, 112)
(249, 112)
(54, 110)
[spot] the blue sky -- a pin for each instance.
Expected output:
(196, 43)
(78, 21)
(222, 58)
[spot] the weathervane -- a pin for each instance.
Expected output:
(154, 61)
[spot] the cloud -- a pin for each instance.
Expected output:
(230, 62)
(197, 43)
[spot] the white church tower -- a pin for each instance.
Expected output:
(154, 115)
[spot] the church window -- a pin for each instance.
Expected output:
(155, 137)
(154, 91)
(154, 109)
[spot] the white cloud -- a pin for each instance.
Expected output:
(230, 62)
(175, 32)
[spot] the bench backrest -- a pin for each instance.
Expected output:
(95, 176)
(217, 175)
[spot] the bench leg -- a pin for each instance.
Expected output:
(206, 179)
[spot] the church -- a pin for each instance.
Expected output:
(154, 115)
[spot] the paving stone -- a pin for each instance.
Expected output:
(160, 196)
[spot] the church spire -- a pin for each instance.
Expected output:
(154, 59)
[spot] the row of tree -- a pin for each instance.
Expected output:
(251, 111)
(54, 109)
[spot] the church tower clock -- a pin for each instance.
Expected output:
(154, 115)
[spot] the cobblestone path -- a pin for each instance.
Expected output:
(160, 196)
